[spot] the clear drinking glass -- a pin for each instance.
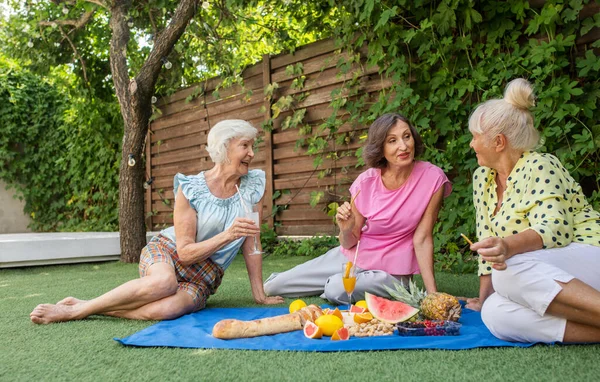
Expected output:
(349, 280)
(254, 215)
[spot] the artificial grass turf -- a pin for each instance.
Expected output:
(84, 350)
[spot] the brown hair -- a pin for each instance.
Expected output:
(378, 131)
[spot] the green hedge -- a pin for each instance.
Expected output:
(60, 152)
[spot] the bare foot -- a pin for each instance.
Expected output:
(48, 313)
(474, 304)
(70, 301)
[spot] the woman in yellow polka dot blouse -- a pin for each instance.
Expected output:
(539, 239)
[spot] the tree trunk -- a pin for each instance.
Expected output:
(135, 109)
(134, 96)
(132, 225)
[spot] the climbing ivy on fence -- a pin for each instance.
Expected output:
(444, 58)
(59, 153)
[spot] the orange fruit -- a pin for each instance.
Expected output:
(357, 309)
(325, 311)
(360, 318)
(362, 304)
(336, 312)
(297, 305)
(329, 324)
(340, 334)
(311, 330)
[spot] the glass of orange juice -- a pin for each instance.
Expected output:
(349, 280)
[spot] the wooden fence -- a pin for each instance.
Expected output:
(177, 139)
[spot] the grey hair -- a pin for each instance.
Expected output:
(509, 116)
(221, 133)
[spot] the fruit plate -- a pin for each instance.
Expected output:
(428, 328)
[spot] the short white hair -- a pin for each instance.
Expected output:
(221, 133)
(509, 116)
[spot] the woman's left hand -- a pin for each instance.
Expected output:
(270, 300)
(494, 250)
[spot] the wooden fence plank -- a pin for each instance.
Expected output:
(303, 53)
(268, 140)
(210, 85)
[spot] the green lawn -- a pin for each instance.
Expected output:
(85, 350)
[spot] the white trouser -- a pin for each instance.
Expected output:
(323, 276)
(517, 310)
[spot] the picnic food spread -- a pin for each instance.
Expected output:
(376, 316)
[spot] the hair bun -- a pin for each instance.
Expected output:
(519, 93)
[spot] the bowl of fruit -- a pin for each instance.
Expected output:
(428, 328)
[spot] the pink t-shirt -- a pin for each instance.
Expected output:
(392, 216)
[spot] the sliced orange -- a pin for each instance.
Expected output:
(325, 311)
(336, 312)
(360, 318)
(340, 334)
(312, 331)
(348, 268)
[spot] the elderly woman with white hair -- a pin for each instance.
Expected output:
(539, 239)
(183, 265)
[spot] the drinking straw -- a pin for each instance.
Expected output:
(466, 238)
(244, 206)
(356, 254)
(354, 198)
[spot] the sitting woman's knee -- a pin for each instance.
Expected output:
(334, 290)
(160, 286)
(273, 286)
(494, 316)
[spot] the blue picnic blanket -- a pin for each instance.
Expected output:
(194, 331)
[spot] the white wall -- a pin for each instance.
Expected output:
(12, 218)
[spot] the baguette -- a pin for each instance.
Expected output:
(230, 329)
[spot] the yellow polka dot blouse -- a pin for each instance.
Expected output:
(540, 195)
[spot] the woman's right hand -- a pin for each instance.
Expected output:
(242, 227)
(345, 218)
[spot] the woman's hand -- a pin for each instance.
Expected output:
(494, 250)
(270, 300)
(242, 227)
(345, 218)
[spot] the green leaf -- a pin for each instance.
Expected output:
(385, 16)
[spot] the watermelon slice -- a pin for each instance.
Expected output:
(389, 311)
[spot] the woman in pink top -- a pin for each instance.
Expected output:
(396, 206)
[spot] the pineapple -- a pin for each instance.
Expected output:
(441, 306)
(434, 306)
